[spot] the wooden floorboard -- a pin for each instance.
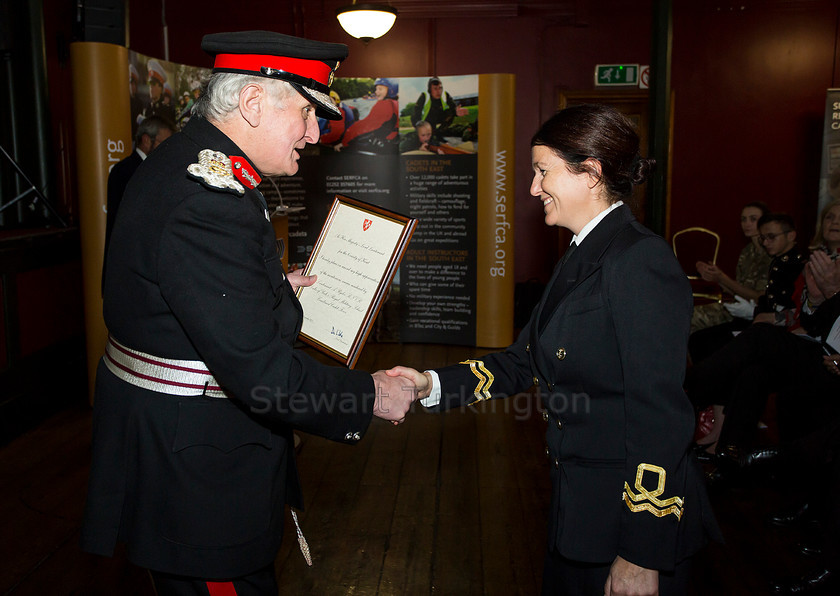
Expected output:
(451, 503)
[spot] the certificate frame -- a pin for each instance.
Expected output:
(355, 257)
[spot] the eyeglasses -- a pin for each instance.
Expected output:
(771, 236)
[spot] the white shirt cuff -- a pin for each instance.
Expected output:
(433, 398)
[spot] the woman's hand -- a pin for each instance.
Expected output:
(709, 271)
(423, 381)
(298, 280)
(824, 277)
(628, 579)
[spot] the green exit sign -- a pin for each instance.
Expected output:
(616, 74)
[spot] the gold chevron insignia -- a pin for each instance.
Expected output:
(485, 379)
(649, 501)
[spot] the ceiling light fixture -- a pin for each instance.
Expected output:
(367, 20)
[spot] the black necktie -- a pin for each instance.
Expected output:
(568, 253)
(557, 290)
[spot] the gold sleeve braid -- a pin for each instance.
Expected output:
(485, 379)
(649, 501)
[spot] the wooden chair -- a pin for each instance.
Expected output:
(698, 244)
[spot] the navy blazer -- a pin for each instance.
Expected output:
(609, 360)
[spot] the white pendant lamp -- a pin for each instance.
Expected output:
(367, 20)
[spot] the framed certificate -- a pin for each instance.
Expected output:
(355, 258)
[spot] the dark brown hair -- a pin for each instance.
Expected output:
(596, 131)
(760, 205)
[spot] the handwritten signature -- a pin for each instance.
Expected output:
(337, 332)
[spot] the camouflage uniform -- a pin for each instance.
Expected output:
(751, 271)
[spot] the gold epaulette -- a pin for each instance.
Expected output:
(649, 501)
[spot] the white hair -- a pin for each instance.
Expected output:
(220, 94)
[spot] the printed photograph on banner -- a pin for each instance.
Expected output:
(369, 116)
(161, 88)
(439, 115)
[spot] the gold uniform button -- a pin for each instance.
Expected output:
(560, 424)
(556, 463)
(547, 452)
(561, 353)
(545, 416)
(536, 381)
(528, 348)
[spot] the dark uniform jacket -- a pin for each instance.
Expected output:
(118, 179)
(197, 485)
(608, 360)
(781, 282)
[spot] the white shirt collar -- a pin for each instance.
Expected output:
(579, 237)
(141, 154)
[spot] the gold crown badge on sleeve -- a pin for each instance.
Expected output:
(648, 500)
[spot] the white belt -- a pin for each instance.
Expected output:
(163, 375)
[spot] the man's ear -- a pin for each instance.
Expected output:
(252, 100)
(146, 143)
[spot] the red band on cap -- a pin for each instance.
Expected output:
(313, 69)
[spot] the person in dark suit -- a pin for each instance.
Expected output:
(150, 133)
(200, 387)
(606, 348)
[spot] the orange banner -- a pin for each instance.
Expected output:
(103, 137)
(496, 191)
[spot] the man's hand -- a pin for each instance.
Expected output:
(394, 396)
(628, 579)
(298, 280)
(831, 362)
(741, 308)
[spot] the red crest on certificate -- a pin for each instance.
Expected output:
(358, 272)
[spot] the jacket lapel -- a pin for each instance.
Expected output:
(584, 262)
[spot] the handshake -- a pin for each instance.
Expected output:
(396, 390)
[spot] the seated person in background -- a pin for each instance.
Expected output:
(419, 139)
(767, 358)
(827, 236)
(750, 272)
(379, 130)
(714, 323)
(778, 237)
(332, 131)
(779, 240)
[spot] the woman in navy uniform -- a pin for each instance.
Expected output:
(200, 387)
(606, 347)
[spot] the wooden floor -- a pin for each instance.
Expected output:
(451, 504)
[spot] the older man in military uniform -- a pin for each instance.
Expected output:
(200, 387)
